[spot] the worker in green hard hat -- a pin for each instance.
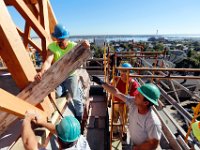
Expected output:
(144, 125)
(68, 133)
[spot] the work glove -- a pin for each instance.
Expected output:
(97, 80)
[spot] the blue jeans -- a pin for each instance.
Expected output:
(71, 85)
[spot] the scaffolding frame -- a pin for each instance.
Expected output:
(151, 69)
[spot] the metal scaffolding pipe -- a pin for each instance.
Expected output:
(184, 88)
(135, 55)
(166, 77)
(177, 83)
(170, 136)
(133, 52)
(160, 69)
(178, 107)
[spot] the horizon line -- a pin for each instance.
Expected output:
(158, 35)
(135, 34)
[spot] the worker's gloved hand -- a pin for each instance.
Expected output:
(97, 80)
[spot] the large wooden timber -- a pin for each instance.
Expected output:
(52, 19)
(13, 51)
(15, 57)
(8, 104)
(59, 71)
(34, 45)
(26, 13)
(35, 92)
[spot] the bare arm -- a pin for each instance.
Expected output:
(28, 136)
(46, 65)
(49, 126)
(111, 89)
(148, 145)
(42, 121)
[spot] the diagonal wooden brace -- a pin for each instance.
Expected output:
(16, 106)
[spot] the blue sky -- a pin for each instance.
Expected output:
(89, 17)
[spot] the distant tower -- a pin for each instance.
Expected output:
(157, 33)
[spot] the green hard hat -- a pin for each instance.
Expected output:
(151, 92)
(196, 130)
(68, 129)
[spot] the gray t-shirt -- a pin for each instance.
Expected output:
(81, 144)
(142, 127)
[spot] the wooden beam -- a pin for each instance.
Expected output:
(52, 19)
(8, 2)
(36, 91)
(44, 16)
(34, 1)
(47, 106)
(14, 106)
(56, 74)
(32, 7)
(45, 23)
(39, 49)
(61, 103)
(30, 18)
(26, 35)
(8, 104)
(13, 52)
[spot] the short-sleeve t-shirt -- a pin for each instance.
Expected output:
(58, 52)
(81, 144)
(142, 126)
(121, 86)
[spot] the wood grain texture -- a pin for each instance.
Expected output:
(16, 106)
(35, 92)
(13, 52)
(55, 75)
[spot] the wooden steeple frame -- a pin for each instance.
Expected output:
(14, 43)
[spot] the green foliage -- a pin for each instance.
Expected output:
(193, 60)
(191, 53)
(158, 47)
(97, 51)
